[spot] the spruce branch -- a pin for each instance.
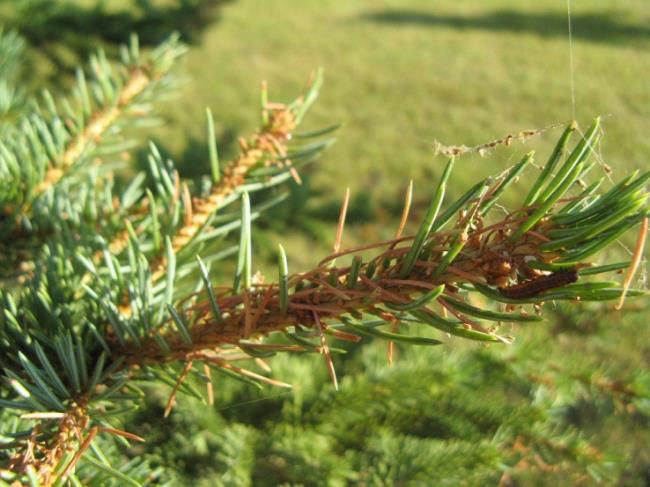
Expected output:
(267, 148)
(12, 98)
(12, 47)
(43, 457)
(266, 159)
(498, 260)
(489, 263)
(49, 142)
(441, 277)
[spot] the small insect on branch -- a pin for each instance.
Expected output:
(538, 285)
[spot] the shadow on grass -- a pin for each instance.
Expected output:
(66, 32)
(593, 27)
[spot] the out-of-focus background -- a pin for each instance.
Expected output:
(398, 75)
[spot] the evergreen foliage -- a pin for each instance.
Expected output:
(11, 99)
(104, 295)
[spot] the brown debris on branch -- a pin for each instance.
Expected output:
(43, 458)
(483, 149)
(327, 293)
(267, 146)
(74, 436)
